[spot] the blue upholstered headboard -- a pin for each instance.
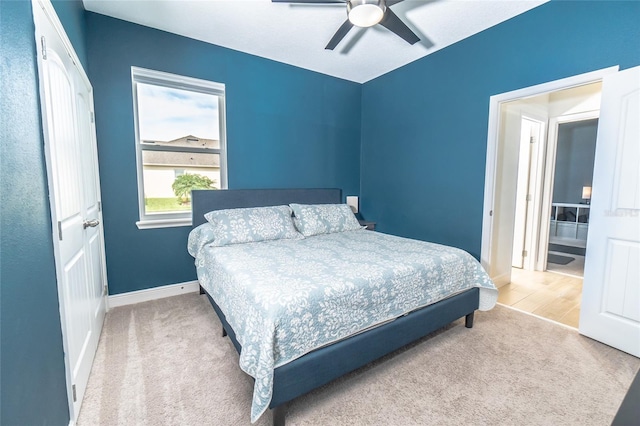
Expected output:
(203, 201)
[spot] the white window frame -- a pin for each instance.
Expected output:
(174, 81)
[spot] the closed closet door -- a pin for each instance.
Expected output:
(72, 171)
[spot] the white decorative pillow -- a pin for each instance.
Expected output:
(237, 226)
(314, 219)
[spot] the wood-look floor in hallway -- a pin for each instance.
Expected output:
(546, 294)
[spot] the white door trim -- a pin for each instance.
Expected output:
(47, 21)
(549, 176)
(50, 12)
(495, 103)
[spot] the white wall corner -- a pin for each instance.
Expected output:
(501, 280)
(148, 294)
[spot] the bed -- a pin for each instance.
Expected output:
(320, 332)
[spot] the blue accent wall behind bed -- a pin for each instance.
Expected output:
(423, 154)
(286, 127)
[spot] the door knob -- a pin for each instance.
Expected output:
(90, 223)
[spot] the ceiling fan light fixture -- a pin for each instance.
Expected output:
(365, 13)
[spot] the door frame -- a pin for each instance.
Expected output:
(495, 104)
(51, 16)
(549, 178)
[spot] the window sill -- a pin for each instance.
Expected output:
(163, 223)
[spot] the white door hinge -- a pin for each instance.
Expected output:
(524, 253)
(43, 43)
(75, 397)
(99, 206)
(93, 118)
(60, 230)
(529, 197)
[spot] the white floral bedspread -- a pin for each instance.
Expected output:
(285, 298)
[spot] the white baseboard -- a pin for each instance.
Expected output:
(501, 280)
(152, 294)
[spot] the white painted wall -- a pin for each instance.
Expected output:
(508, 152)
(576, 100)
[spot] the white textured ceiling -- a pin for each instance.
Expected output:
(297, 34)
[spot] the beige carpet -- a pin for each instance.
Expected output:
(165, 363)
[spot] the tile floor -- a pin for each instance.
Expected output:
(546, 294)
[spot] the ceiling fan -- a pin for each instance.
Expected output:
(364, 14)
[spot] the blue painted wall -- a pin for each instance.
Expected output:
(72, 16)
(32, 389)
(423, 154)
(286, 127)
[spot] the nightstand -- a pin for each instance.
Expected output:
(371, 226)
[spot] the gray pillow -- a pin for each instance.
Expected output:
(237, 226)
(314, 219)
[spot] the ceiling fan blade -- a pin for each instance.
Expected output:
(309, 1)
(394, 24)
(339, 35)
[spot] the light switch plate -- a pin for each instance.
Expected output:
(352, 201)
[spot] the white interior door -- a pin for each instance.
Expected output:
(71, 155)
(522, 195)
(610, 310)
(524, 240)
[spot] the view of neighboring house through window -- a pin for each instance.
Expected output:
(180, 143)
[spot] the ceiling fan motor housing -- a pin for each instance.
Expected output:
(365, 13)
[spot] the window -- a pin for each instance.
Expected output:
(180, 144)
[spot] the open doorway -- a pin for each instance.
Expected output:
(545, 151)
(575, 147)
(547, 281)
(553, 190)
(608, 308)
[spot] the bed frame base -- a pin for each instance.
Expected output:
(330, 362)
(279, 414)
(468, 320)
